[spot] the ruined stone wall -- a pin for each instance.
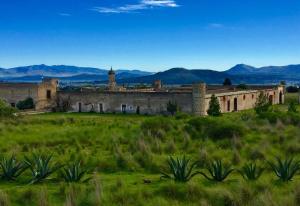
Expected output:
(47, 94)
(145, 102)
(12, 93)
(244, 100)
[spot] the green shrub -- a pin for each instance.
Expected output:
(172, 107)
(74, 173)
(40, 167)
(11, 169)
(180, 169)
(262, 104)
(6, 110)
(214, 128)
(286, 118)
(154, 125)
(26, 104)
(251, 171)
(218, 171)
(286, 169)
(214, 106)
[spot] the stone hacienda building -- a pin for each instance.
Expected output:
(115, 99)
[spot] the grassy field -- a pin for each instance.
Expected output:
(121, 152)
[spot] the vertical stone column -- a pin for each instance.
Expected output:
(199, 93)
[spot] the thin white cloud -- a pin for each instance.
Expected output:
(64, 14)
(216, 25)
(142, 5)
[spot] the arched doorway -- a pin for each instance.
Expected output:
(79, 107)
(235, 104)
(280, 98)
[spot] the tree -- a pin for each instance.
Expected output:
(214, 106)
(6, 110)
(26, 104)
(262, 104)
(242, 86)
(172, 107)
(292, 89)
(227, 82)
(282, 82)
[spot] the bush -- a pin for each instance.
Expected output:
(40, 167)
(285, 169)
(214, 106)
(214, 128)
(26, 104)
(6, 110)
(218, 171)
(154, 126)
(172, 107)
(286, 118)
(251, 171)
(181, 170)
(262, 104)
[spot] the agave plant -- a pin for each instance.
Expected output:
(40, 167)
(285, 169)
(251, 171)
(181, 170)
(218, 171)
(11, 168)
(74, 173)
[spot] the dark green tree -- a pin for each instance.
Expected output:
(262, 104)
(26, 104)
(214, 106)
(283, 82)
(172, 107)
(227, 82)
(242, 86)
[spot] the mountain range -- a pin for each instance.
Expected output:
(240, 73)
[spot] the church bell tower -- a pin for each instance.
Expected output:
(112, 85)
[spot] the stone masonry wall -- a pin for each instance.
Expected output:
(147, 102)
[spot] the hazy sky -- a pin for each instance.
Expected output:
(152, 35)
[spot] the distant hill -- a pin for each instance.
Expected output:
(64, 73)
(290, 71)
(180, 76)
(240, 73)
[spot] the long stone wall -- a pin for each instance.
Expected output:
(129, 102)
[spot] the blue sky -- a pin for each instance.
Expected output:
(152, 35)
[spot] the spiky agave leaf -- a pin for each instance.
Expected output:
(218, 171)
(285, 169)
(11, 168)
(251, 171)
(74, 173)
(180, 169)
(40, 167)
